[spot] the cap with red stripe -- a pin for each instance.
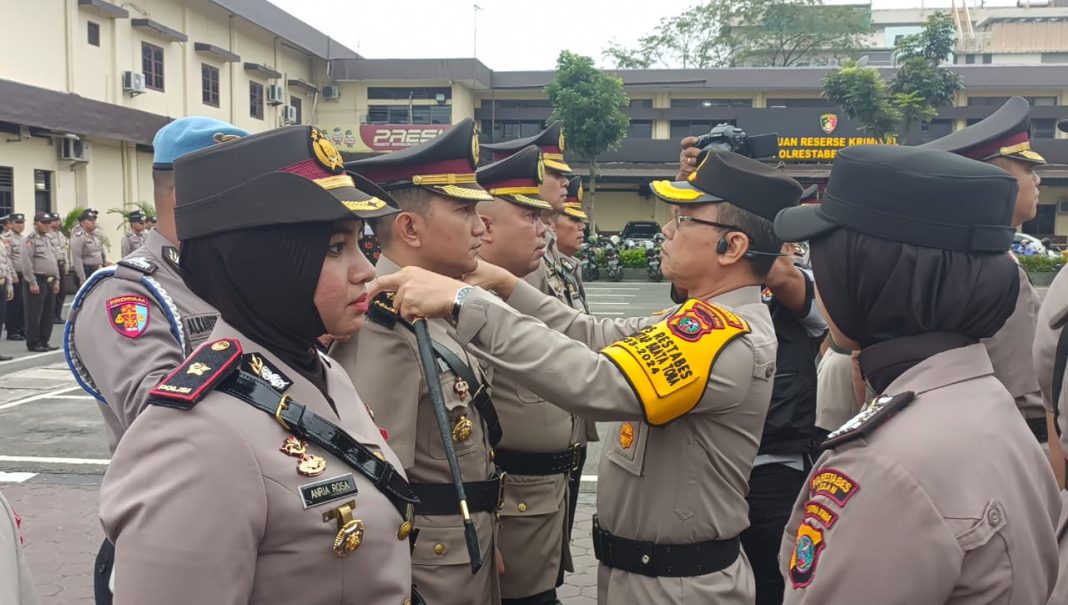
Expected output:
(516, 178)
(550, 141)
(1006, 133)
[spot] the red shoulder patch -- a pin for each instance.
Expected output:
(198, 374)
(128, 314)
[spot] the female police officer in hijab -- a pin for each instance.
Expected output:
(259, 475)
(936, 492)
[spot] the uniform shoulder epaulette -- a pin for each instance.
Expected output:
(139, 263)
(198, 374)
(381, 310)
(878, 411)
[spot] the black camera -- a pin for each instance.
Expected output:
(731, 138)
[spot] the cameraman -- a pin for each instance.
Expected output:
(791, 440)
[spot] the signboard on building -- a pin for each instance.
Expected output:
(807, 134)
(367, 138)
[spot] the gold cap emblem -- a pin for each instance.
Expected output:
(474, 147)
(325, 152)
(541, 170)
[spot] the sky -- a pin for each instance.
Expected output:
(511, 34)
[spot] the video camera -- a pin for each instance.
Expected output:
(731, 138)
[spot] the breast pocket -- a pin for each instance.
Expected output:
(627, 446)
(465, 425)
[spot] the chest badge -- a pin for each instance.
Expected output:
(461, 431)
(308, 465)
(461, 388)
(349, 531)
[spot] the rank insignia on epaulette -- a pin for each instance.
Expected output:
(266, 371)
(198, 374)
(878, 411)
(140, 264)
(381, 310)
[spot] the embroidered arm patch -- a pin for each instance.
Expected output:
(197, 375)
(668, 364)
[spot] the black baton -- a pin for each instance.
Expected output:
(426, 357)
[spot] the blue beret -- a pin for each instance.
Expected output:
(186, 135)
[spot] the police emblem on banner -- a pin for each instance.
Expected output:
(828, 122)
(128, 314)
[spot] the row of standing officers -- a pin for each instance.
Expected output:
(688, 388)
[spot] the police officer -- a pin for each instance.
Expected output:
(1003, 139)
(135, 237)
(59, 246)
(438, 229)
(307, 501)
(690, 386)
(537, 450)
(16, 316)
(936, 492)
(40, 272)
(86, 248)
(7, 286)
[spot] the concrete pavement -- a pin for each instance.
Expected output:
(53, 456)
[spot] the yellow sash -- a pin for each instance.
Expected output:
(668, 364)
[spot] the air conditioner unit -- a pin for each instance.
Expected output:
(74, 150)
(289, 115)
(276, 95)
(331, 93)
(133, 82)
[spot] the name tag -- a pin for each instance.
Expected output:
(328, 490)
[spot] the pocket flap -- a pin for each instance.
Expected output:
(526, 496)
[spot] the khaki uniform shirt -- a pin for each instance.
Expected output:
(203, 507)
(38, 258)
(16, 583)
(14, 246)
(132, 241)
(950, 500)
(85, 249)
(59, 246)
(680, 483)
(125, 369)
(1010, 352)
(834, 390)
(1052, 318)
(385, 365)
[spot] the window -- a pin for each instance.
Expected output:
(521, 103)
(787, 103)
(969, 59)
(255, 100)
(404, 93)
(712, 103)
(640, 129)
(7, 190)
(685, 128)
(644, 103)
(935, 129)
(988, 58)
(42, 190)
(152, 66)
(1043, 128)
(999, 101)
(506, 130)
(94, 33)
(209, 84)
(409, 114)
(1044, 222)
(298, 104)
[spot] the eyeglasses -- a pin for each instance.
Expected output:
(683, 218)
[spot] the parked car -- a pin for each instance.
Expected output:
(639, 232)
(1029, 245)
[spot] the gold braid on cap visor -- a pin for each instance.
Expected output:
(667, 189)
(343, 180)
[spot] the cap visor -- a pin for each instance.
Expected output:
(524, 200)
(681, 192)
(461, 193)
(558, 166)
(1029, 156)
(361, 204)
(801, 223)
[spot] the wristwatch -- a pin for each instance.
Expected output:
(458, 302)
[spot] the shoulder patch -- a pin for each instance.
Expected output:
(129, 314)
(878, 411)
(808, 545)
(668, 364)
(139, 263)
(255, 363)
(834, 484)
(197, 375)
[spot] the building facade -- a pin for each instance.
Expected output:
(76, 122)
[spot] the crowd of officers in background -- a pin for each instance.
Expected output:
(786, 433)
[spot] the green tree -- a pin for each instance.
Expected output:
(588, 102)
(728, 33)
(920, 86)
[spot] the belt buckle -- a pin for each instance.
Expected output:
(282, 405)
(500, 490)
(576, 453)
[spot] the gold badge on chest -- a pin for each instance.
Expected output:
(308, 465)
(349, 531)
(461, 431)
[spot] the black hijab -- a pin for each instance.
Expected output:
(928, 299)
(263, 283)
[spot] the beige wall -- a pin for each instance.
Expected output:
(612, 209)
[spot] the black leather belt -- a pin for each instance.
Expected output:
(540, 463)
(1039, 429)
(663, 560)
(440, 498)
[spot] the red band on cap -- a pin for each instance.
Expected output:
(510, 183)
(993, 148)
(392, 174)
(309, 169)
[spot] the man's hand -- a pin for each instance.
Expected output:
(420, 293)
(787, 283)
(491, 277)
(55, 287)
(10, 293)
(35, 289)
(687, 158)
